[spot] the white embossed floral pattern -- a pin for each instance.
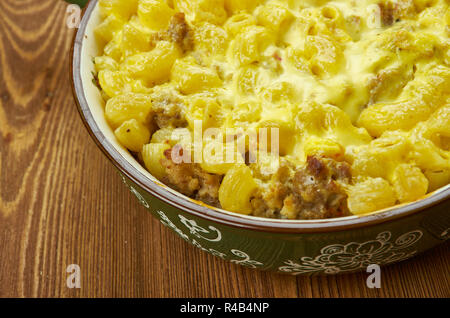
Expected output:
(339, 258)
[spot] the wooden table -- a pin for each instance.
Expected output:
(62, 203)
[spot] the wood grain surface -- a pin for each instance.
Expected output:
(62, 203)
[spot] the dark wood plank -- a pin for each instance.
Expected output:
(62, 203)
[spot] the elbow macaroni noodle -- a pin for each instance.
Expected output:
(365, 83)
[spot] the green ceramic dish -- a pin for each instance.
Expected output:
(298, 247)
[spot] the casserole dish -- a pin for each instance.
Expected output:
(326, 246)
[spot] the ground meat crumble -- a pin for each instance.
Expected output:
(178, 32)
(191, 180)
(315, 191)
(167, 107)
(318, 193)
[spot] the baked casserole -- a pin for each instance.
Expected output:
(356, 94)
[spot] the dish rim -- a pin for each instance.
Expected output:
(216, 215)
